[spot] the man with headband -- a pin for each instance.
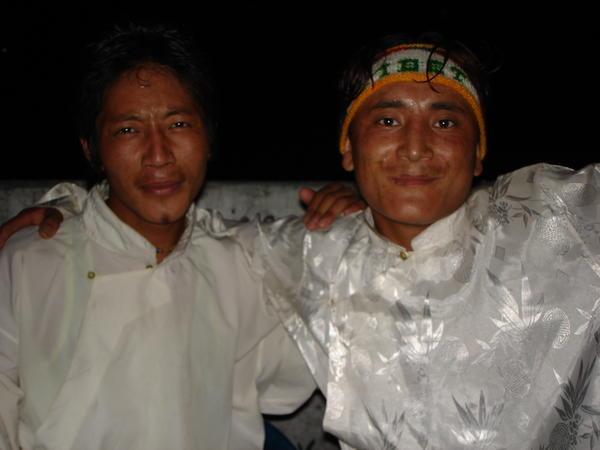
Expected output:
(441, 316)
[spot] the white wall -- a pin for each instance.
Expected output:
(235, 199)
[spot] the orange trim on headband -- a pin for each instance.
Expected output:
(408, 77)
(406, 47)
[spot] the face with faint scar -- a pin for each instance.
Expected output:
(413, 147)
(153, 147)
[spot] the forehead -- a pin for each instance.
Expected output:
(415, 94)
(147, 86)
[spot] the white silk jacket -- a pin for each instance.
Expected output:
(485, 336)
(103, 349)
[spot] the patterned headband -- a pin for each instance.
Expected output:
(416, 62)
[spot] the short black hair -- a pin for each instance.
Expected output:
(125, 48)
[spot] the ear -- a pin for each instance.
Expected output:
(347, 161)
(85, 146)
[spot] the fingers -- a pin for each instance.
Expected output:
(26, 218)
(314, 206)
(357, 205)
(330, 202)
(51, 223)
(306, 195)
(48, 220)
(343, 206)
(4, 235)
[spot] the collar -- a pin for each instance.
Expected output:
(104, 227)
(437, 235)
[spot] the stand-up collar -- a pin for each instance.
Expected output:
(109, 231)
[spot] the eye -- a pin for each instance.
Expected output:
(388, 122)
(444, 123)
(180, 124)
(125, 130)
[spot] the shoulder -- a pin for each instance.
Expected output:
(21, 241)
(28, 247)
(347, 239)
(549, 183)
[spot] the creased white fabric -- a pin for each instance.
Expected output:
(113, 351)
(487, 336)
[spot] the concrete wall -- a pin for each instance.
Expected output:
(238, 201)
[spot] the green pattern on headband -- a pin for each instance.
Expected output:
(434, 66)
(414, 60)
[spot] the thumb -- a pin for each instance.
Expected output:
(306, 195)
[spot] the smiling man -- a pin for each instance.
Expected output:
(441, 316)
(408, 149)
(134, 328)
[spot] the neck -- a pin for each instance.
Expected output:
(399, 233)
(163, 236)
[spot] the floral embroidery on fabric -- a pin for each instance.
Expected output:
(565, 434)
(418, 336)
(480, 427)
(502, 206)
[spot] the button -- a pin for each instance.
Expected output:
(149, 266)
(91, 275)
(403, 255)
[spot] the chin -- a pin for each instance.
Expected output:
(160, 216)
(169, 218)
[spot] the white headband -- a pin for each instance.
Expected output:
(416, 62)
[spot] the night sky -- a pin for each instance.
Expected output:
(277, 65)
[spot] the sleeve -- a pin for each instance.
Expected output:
(283, 381)
(275, 253)
(68, 198)
(10, 393)
(282, 378)
(575, 196)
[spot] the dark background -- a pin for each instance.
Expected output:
(277, 66)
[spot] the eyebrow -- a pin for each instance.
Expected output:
(180, 111)
(435, 106)
(136, 117)
(447, 106)
(384, 104)
(124, 118)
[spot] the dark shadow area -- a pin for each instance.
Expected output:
(277, 66)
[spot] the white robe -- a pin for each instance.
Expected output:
(101, 348)
(486, 336)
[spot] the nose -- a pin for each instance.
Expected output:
(158, 151)
(415, 144)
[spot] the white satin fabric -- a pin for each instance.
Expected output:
(102, 349)
(486, 336)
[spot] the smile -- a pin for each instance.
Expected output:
(166, 187)
(412, 180)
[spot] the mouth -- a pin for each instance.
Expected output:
(412, 180)
(161, 188)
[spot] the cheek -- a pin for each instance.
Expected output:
(371, 143)
(369, 161)
(195, 160)
(120, 169)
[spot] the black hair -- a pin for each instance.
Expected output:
(125, 48)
